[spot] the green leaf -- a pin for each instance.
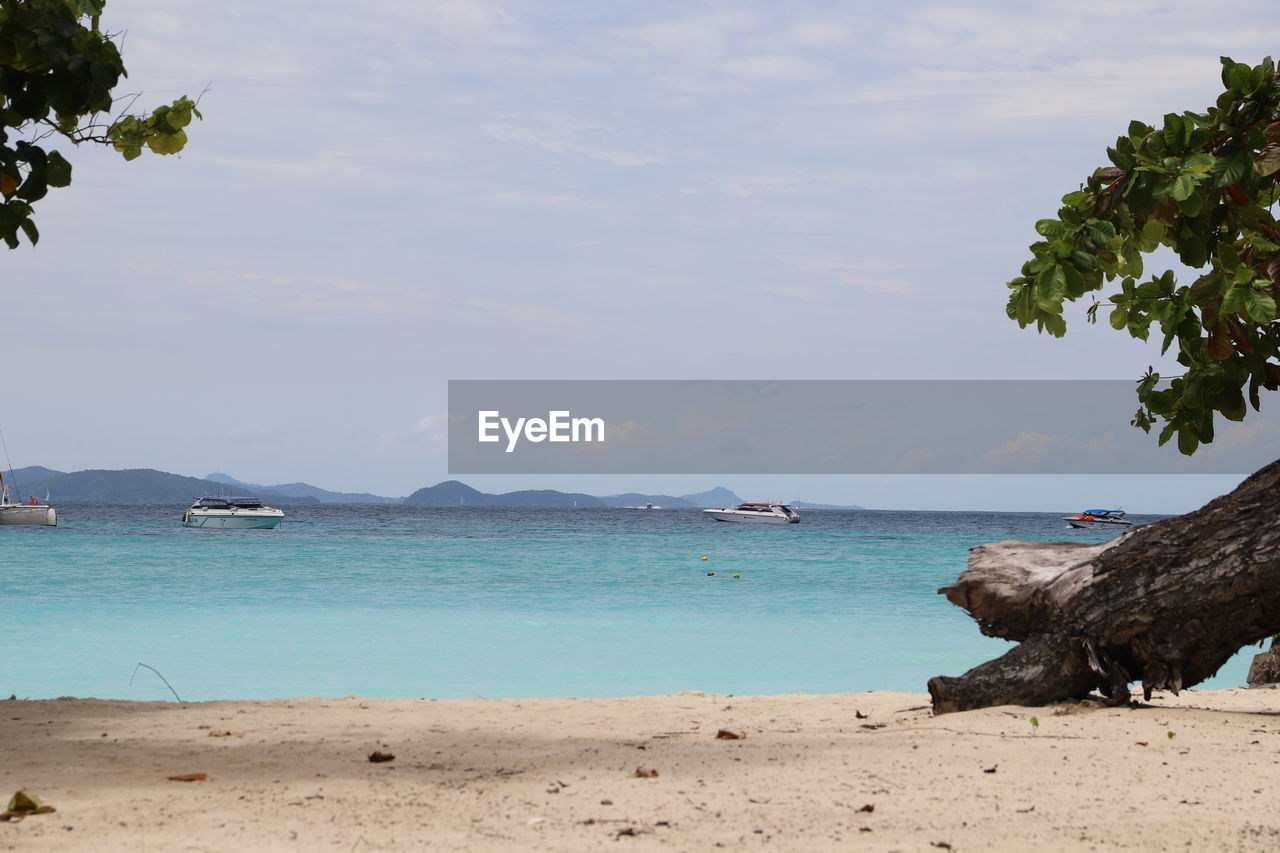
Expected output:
(1102, 231)
(1183, 187)
(1084, 261)
(1175, 131)
(1050, 228)
(1161, 402)
(57, 170)
(167, 143)
(1192, 205)
(1198, 163)
(1051, 286)
(1192, 250)
(29, 228)
(1187, 441)
(1232, 406)
(1119, 318)
(1230, 169)
(1239, 77)
(1152, 233)
(1260, 305)
(1075, 281)
(1149, 289)
(1233, 301)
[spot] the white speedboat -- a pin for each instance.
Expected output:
(32, 512)
(646, 506)
(756, 513)
(232, 514)
(1085, 519)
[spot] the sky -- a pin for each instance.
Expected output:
(387, 195)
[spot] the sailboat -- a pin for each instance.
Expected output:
(32, 512)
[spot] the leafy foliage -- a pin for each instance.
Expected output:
(57, 74)
(1203, 185)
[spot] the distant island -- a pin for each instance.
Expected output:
(147, 485)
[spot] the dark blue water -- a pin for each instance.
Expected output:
(396, 601)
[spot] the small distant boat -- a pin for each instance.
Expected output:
(646, 506)
(32, 512)
(1088, 518)
(242, 513)
(758, 513)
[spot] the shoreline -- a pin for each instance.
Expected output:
(813, 772)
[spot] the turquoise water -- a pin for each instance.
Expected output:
(459, 602)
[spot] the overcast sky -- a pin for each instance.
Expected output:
(386, 195)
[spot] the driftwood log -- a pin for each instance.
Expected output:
(1167, 604)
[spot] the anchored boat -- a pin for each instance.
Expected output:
(32, 512)
(756, 513)
(1113, 518)
(232, 514)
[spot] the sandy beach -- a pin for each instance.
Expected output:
(873, 771)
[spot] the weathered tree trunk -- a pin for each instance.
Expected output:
(1167, 603)
(1265, 668)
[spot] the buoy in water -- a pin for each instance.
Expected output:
(711, 574)
(737, 576)
(705, 558)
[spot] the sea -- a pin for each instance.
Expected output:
(122, 602)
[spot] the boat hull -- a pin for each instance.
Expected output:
(1112, 523)
(750, 517)
(230, 520)
(41, 516)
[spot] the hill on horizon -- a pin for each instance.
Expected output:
(637, 499)
(457, 493)
(148, 485)
(305, 490)
(133, 485)
(20, 477)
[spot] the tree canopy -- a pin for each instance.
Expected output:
(57, 75)
(1202, 184)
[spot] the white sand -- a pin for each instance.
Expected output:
(558, 774)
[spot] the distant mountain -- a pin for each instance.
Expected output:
(455, 493)
(546, 497)
(147, 485)
(219, 477)
(20, 477)
(134, 485)
(305, 490)
(719, 496)
(448, 493)
(637, 499)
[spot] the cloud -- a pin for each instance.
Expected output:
(702, 37)
(562, 142)
(775, 67)
(799, 184)
(869, 274)
(817, 33)
(534, 198)
(528, 317)
(430, 421)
